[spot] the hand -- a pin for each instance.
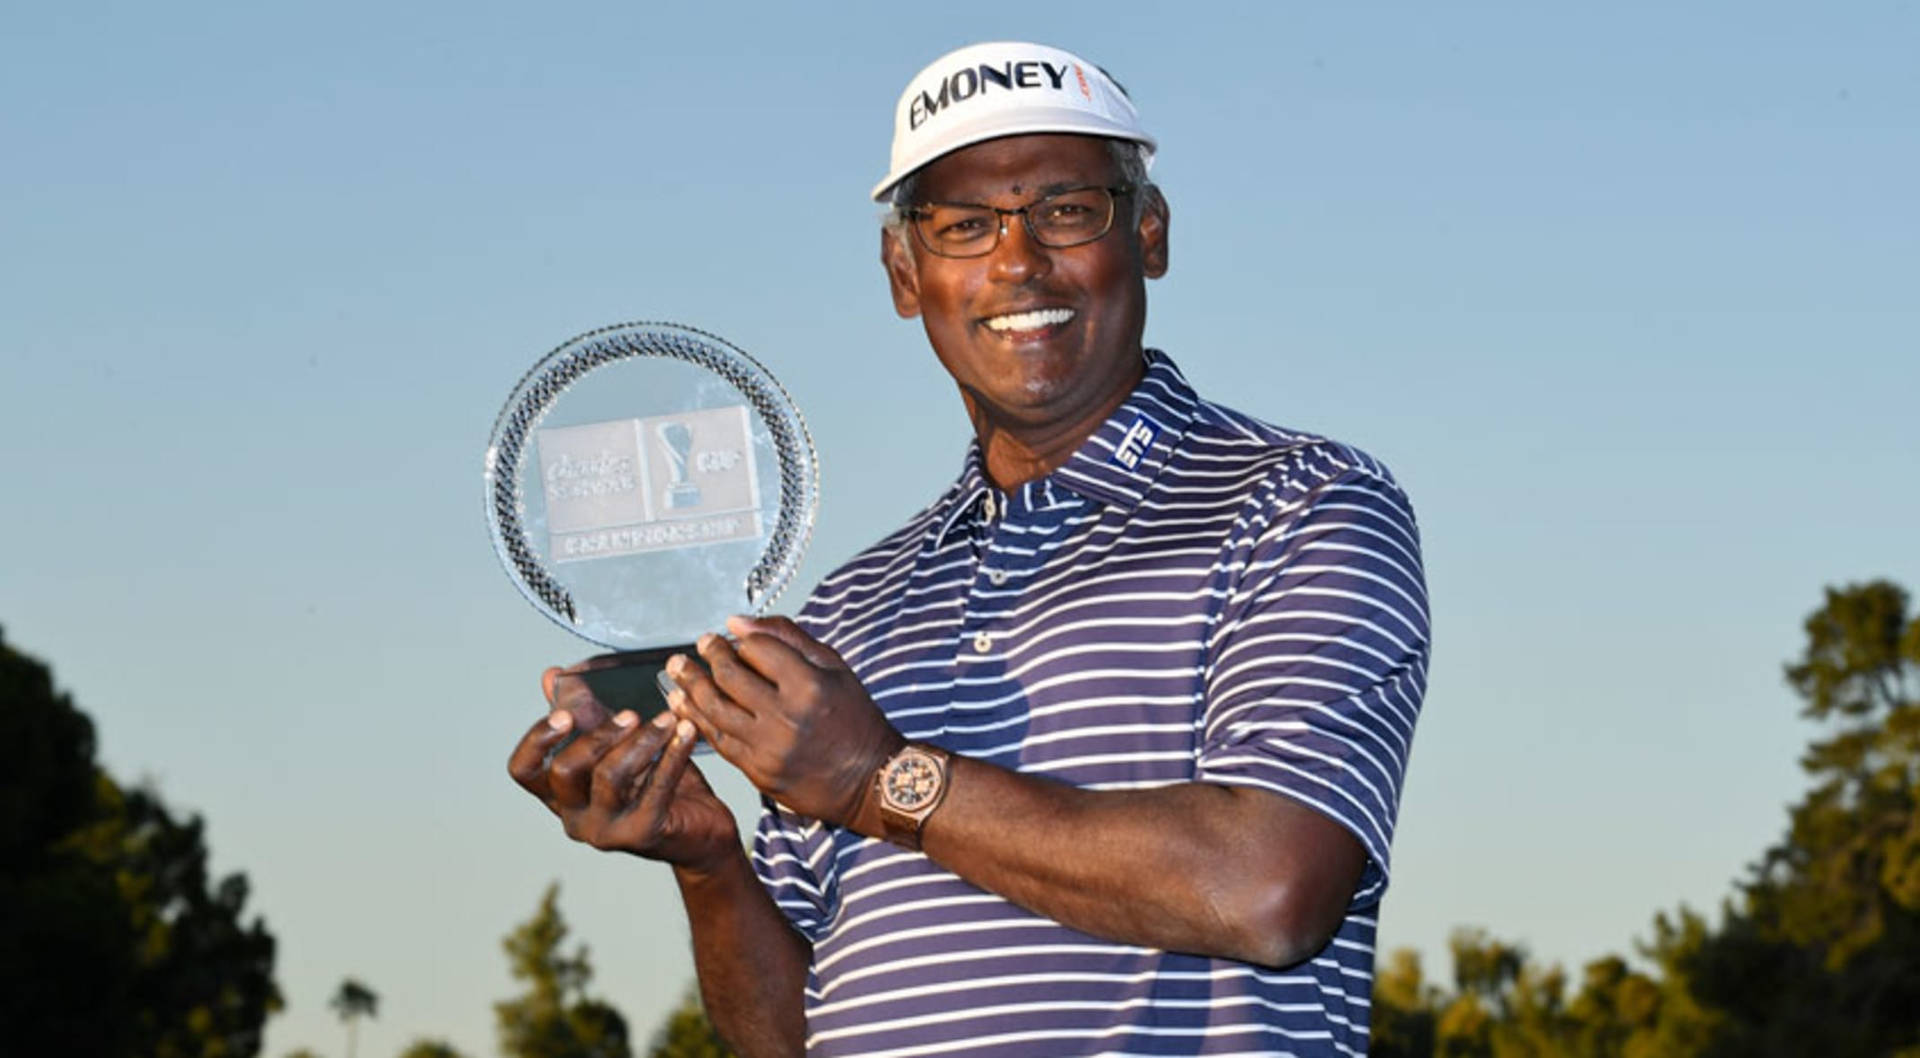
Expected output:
(621, 784)
(787, 711)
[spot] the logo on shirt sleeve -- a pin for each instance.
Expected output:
(1139, 437)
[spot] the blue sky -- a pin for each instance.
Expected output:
(1625, 296)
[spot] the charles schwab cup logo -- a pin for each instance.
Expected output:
(980, 79)
(655, 484)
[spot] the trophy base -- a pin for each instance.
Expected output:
(635, 680)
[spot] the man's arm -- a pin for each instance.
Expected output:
(751, 963)
(1212, 870)
(1201, 868)
(622, 785)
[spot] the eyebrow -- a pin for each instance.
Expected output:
(1039, 193)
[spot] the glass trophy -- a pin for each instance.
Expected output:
(644, 483)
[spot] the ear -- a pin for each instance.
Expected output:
(1154, 221)
(897, 258)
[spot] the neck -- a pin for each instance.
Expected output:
(1014, 452)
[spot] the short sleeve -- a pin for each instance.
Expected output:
(793, 857)
(1319, 663)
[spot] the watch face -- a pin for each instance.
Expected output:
(911, 782)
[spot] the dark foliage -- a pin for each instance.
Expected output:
(115, 941)
(1818, 953)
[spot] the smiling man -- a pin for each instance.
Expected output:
(1101, 752)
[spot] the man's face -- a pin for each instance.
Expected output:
(1036, 338)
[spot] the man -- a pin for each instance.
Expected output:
(1100, 753)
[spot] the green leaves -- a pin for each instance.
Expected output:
(1819, 951)
(554, 1018)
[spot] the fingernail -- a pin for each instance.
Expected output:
(683, 732)
(626, 718)
(559, 720)
(663, 720)
(706, 641)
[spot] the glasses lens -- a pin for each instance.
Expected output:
(957, 231)
(1072, 217)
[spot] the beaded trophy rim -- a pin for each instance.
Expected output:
(559, 370)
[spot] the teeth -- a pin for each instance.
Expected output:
(1030, 321)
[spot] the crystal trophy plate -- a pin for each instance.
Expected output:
(645, 482)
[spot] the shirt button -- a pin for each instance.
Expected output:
(982, 643)
(992, 507)
(997, 576)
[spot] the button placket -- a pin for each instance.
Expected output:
(992, 508)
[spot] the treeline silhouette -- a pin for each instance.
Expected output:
(554, 1016)
(1816, 953)
(116, 942)
(113, 938)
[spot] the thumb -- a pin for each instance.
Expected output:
(783, 629)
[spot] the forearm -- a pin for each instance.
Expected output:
(751, 963)
(1195, 867)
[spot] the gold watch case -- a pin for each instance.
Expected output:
(912, 784)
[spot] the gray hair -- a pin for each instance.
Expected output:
(1129, 158)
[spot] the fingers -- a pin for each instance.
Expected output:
(735, 678)
(723, 720)
(665, 780)
(796, 638)
(779, 662)
(570, 774)
(571, 690)
(634, 787)
(626, 767)
(528, 762)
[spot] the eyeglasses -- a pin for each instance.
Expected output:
(1065, 218)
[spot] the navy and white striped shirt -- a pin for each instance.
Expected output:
(1194, 596)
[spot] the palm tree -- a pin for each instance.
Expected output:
(351, 1001)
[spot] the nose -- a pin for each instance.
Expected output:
(1018, 258)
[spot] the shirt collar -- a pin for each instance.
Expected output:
(1115, 465)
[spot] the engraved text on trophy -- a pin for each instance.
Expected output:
(635, 485)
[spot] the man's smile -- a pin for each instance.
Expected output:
(1032, 321)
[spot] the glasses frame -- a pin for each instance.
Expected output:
(915, 213)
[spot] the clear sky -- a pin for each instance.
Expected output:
(1626, 296)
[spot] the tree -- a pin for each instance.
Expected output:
(1821, 950)
(688, 1033)
(115, 940)
(1503, 1005)
(353, 1001)
(1817, 953)
(555, 1018)
(1405, 1008)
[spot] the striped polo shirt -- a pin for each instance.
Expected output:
(1194, 596)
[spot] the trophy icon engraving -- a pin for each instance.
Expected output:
(678, 438)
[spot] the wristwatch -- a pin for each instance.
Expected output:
(911, 785)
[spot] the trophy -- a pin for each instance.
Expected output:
(644, 483)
